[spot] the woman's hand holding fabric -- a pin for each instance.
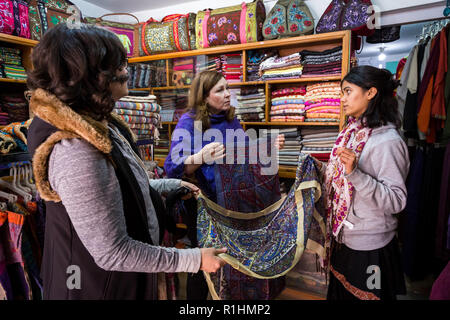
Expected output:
(210, 261)
(195, 191)
(347, 158)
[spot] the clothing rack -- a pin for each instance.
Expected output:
(431, 29)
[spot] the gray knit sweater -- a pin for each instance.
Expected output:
(380, 190)
(89, 190)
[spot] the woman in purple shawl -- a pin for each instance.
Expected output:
(198, 142)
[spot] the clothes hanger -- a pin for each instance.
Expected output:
(16, 179)
(28, 181)
(27, 197)
(3, 206)
(12, 198)
(25, 181)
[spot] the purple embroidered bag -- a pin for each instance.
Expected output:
(346, 15)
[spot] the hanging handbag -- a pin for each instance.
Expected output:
(126, 32)
(171, 34)
(14, 18)
(346, 15)
(45, 14)
(288, 18)
(230, 25)
(385, 35)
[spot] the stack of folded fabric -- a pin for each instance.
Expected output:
(4, 117)
(183, 71)
(181, 101)
(231, 65)
(289, 154)
(276, 68)
(139, 75)
(11, 61)
(161, 147)
(157, 73)
(322, 102)
(251, 103)
(288, 104)
(203, 63)
(16, 106)
(14, 137)
(318, 141)
(255, 58)
(141, 113)
(167, 101)
(320, 63)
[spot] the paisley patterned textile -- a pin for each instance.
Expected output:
(230, 25)
(337, 187)
(288, 18)
(264, 244)
(346, 15)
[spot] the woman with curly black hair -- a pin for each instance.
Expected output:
(104, 217)
(364, 182)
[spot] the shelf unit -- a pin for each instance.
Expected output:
(287, 46)
(26, 46)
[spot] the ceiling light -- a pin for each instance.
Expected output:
(381, 56)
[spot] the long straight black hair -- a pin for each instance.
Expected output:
(383, 108)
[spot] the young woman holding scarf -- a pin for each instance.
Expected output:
(364, 182)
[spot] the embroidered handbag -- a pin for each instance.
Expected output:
(14, 18)
(346, 15)
(230, 25)
(288, 18)
(44, 14)
(126, 32)
(385, 35)
(171, 34)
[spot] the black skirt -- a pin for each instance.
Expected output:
(366, 275)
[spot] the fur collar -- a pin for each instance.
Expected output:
(71, 125)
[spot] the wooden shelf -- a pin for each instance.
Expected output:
(253, 83)
(18, 40)
(313, 39)
(12, 80)
(278, 123)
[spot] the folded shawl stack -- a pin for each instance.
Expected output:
(11, 64)
(276, 68)
(251, 103)
(288, 105)
(322, 102)
(292, 146)
(318, 142)
(320, 63)
(141, 113)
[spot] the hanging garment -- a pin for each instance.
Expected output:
(268, 243)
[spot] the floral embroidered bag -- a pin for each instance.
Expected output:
(44, 14)
(124, 31)
(346, 15)
(230, 25)
(14, 18)
(288, 18)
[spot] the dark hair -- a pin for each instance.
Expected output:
(383, 108)
(199, 91)
(77, 65)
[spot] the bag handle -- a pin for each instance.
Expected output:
(116, 14)
(172, 17)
